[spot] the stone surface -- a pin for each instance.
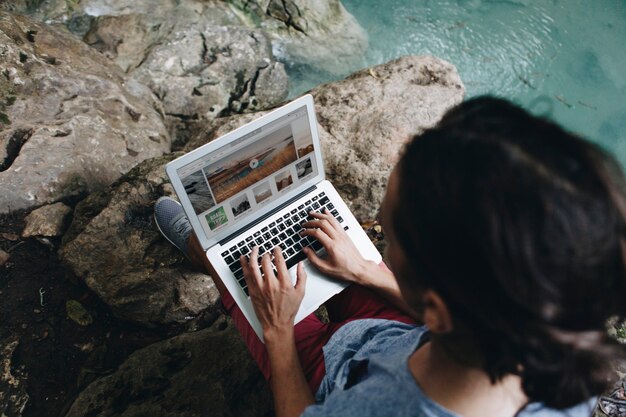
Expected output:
(46, 221)
(4, 258)
(196, 56)
(70, 122)
(211, 58)
(115, 247)
(13, 395)
(365, 120)
(320, 34)
(199, 67)
(206, 373)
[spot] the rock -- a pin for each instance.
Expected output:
(206, 373)
(200, 74)
(318, 34)
(196, 56)
(115, 247)
(4, 257)
(365, 120)
(70, 122)
(46, 221)
(193, 56)
(13, 395)
(212, 58)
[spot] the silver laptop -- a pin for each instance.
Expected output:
(255, 187)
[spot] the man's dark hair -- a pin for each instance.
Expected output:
(520, 226)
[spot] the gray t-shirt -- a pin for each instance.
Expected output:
(367, 374)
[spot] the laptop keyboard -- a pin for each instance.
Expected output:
(283, 231)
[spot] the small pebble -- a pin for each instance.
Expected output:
(9, 236)
(46, 221)
(24, 326)
(78, 313)
(4, 257)
(36, 311)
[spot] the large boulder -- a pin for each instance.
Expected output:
(210, 58)
(206, 373)
(70, 122)
(115, 247)
(365, 120)
(320, 34)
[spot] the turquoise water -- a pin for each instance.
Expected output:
(561, 58)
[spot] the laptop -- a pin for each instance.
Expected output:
(255, 186)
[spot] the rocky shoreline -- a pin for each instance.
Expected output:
(96, 96)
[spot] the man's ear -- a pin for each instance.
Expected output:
(436, 313)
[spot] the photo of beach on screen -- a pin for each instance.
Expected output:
(251, 164)
(198, 192)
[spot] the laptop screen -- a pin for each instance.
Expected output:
(242, 177)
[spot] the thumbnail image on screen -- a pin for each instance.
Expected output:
(304, 168)
(283, 180)
(304, 144)
(216, 218)
(262, 192)
(198, 192)
(240, 204)
(251, 164)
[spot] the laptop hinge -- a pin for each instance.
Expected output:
(266, 215)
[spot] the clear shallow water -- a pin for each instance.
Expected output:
(561, 58)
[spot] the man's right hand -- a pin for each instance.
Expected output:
(343, 259)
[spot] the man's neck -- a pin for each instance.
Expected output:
(461, 389)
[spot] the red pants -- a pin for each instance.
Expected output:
(355, 302)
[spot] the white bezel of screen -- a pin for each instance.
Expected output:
(172, 167)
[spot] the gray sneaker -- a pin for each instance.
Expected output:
(172, 222)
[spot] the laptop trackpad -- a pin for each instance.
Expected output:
(319, 288)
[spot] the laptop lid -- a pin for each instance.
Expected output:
(234, 180)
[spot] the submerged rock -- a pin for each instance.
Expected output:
(365, 120)
(70, 122)
(115, 247)
(46, 221)
(206, 373)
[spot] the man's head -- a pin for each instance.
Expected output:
(519, 228)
